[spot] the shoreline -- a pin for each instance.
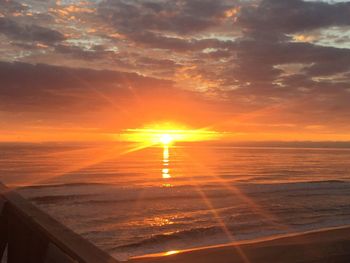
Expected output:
(323, 245)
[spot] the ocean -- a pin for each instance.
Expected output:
(132, 201)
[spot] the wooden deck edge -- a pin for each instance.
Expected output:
(59, 236)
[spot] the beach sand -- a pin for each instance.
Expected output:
(327, 245)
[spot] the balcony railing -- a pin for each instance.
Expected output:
(28, 235)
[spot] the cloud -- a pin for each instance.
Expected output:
(10, 7)
(180, 17)
(153, 40)
(244, 55)
(93, 53)
(25, 32)
(171, 25)
(291, 16)
(27, 87)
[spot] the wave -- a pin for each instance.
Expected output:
(211, 234)
(38, 186)
(209, 185)
(49, 199)
(195, 233)
(150, 194)
(327, 181)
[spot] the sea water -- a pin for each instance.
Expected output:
(132, 200)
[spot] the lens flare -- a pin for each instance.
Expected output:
(166, 134)
(166, 139)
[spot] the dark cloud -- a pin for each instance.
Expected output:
(168, 25)
(25, 32)
(10, 7)
(257, 60)
(179, 16)
(290, 16)
(256, 57)
(27, 87)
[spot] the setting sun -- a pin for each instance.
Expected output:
(166, 139)
(166, 134)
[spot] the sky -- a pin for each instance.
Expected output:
(253, 69)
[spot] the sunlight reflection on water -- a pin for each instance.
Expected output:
(165, 169)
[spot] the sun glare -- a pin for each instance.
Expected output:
(172, 252)
(166, 134)
(166, 139)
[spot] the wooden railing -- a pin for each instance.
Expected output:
(29, 235)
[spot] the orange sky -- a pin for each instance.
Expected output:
(87, 70)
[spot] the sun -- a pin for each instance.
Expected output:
(166, 139)
(167, 134)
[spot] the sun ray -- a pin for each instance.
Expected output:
(167, 133)
(253, 205)
(221, 223)
(101, 154)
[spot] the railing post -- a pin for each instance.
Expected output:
(32, 236)
(24, 243)
(3, 228)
